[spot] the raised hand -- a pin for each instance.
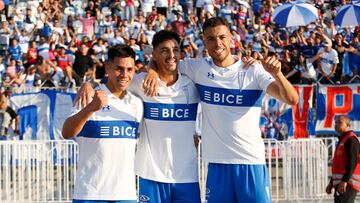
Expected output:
(99, 100)
(84, 95)
(272, 65)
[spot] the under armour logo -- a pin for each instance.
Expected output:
(210, 75)
(106, 108)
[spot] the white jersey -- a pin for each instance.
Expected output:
(43, 50)
(166, 151)
(231, 106)
(24, 43)
(107, 150)
(328, 60)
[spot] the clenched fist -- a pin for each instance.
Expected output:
(99, 100)
(272, 65)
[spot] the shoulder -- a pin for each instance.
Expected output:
(186, 80)
(197, 63)
(134, 99)
(139, 77)
(257, 68)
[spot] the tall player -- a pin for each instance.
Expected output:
(106, 131)
(166, 159)
(231, 105)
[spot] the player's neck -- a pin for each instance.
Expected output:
(117, 93)
(225, 63)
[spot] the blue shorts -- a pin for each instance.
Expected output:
(103, 201)
(233, 183)
(157, 192)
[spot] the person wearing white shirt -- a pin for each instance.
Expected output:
(161, 7)
(106, 131)
(166, 161)
(231, 96)
(146, 7)
(328, 63)
(117, 39)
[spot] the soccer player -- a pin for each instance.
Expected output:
(106, 131)
(166, 159)
(231, 105)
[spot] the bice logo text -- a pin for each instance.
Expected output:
(177, 112)
(169, 113)
(123, 131)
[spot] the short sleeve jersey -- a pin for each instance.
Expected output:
(107, 150)
(166, 151)
(231, 100)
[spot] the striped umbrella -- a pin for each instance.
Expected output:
(348, 15)
(296, 13)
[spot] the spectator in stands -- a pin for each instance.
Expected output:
(13, 71)
(328, 63)
(43, 48)
(14, 50)
(4, 36)
(88, 24)
(178, 25)
(2, 68)
(341, 46)
(32, 54)
(64, 62)
(44, 73)
(7, 116)
(83, 64)
(354, 57)
(345, 166)
(121, 111)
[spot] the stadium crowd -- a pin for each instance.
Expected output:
(63, 43)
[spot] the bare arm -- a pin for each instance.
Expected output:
(74, 124)
(281, 88)
(150, 82)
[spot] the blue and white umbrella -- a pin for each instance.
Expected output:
(295, 14)
(348, 15)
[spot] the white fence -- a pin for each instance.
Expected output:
(37, 171)
(44, 171)
(298, 169)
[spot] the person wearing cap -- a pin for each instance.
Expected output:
(328, 63)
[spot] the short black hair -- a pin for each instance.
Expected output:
(163, 36)
(215, 21)
(122, 51)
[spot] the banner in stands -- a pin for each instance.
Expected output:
(42, 114)
(336, 100)
(280, 120)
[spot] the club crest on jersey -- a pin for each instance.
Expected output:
(106, 108)
(210, 75)
(144, 199)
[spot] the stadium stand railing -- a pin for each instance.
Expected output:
(44, 171)
(37, 171)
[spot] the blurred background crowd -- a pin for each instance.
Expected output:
(61, 43)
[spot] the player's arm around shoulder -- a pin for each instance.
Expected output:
(281, 88)
(74, 124)
(136, 86)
